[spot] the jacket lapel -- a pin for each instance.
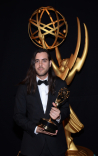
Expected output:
(37, 95)
(51, 98)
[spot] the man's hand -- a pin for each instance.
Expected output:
(55, 112)
(41, 130)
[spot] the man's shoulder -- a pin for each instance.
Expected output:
(22, 88)
(60, 82)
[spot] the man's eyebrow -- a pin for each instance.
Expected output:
(42, 59)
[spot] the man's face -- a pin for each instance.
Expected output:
(42, 65)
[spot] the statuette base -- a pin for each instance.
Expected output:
(82, 151)
(48, 125)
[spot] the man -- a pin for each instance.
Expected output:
(35, 100)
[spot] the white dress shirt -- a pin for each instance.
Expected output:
(43, 91)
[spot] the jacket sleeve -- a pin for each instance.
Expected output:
(20, 111)
(65, 110)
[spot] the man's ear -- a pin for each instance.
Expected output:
(50, 62)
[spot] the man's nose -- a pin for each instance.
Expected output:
(40, 63)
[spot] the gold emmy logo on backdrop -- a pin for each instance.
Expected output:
(57, 29)
(52, 28)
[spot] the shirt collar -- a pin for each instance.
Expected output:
(37, 78)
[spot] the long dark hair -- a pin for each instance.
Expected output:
(30, 78)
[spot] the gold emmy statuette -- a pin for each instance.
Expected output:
(57, 29)
(48, 124)
(69, 66)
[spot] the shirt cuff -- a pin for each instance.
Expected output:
(35, 130)
(58, 120)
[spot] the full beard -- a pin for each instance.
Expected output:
(42, 74)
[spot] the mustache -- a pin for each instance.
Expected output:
(40, 68)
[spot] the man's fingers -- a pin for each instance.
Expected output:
(48, 133)
(54, 104)
(53, 116)
(54, 109)
(42, 130)
(39, 130)
(54, 113)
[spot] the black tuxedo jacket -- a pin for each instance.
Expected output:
(27, 113)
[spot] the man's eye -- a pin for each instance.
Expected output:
(44, 60)
(36, 61)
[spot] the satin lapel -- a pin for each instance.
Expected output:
(37, 95)
(51, 99)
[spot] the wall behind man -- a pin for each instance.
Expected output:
(16, 51)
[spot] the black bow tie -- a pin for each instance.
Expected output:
(40, 82)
